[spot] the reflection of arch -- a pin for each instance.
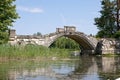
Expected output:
(87, 42)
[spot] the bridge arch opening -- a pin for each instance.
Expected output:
(86, 45)
(65, 43)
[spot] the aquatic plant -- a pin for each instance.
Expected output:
(31, 51)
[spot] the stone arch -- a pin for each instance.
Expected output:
(88, 43)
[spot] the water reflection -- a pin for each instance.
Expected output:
(86, 68)
(109, 67)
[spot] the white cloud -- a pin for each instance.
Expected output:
(31, 10)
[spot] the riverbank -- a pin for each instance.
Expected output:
(32, 52)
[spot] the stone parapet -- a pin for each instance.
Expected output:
(60, 30)
(70, 29)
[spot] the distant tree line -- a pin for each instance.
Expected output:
(65, 43)
(38, 34)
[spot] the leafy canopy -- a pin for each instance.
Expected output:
(8, 15)
(106, 23)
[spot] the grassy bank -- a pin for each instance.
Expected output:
(32, 51)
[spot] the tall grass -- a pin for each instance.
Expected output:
(32, 51)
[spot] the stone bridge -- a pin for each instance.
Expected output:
(89, 44)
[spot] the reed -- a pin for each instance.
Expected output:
(31, 51)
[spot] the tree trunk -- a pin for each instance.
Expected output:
(118, 14)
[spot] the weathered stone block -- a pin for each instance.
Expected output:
(12, 33)
(70, 28)
(108, 46)
(60, 30)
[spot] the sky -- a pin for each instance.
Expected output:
(45, 16)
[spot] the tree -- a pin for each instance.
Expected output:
(118, 14)
(65, 43)
(106, 23)
(8, 15)
(38, 34)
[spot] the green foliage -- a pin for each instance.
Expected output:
(3, 37)
(106, 23)
(7, 17)
(117, 35)
(65, 43)
(38, 34)
(32, 52)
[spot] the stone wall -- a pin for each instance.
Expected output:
(108, 46)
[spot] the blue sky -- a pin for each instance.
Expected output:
(46, 15)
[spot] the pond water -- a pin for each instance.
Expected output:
(85, 68)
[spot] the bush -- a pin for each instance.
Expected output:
(117, 35)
